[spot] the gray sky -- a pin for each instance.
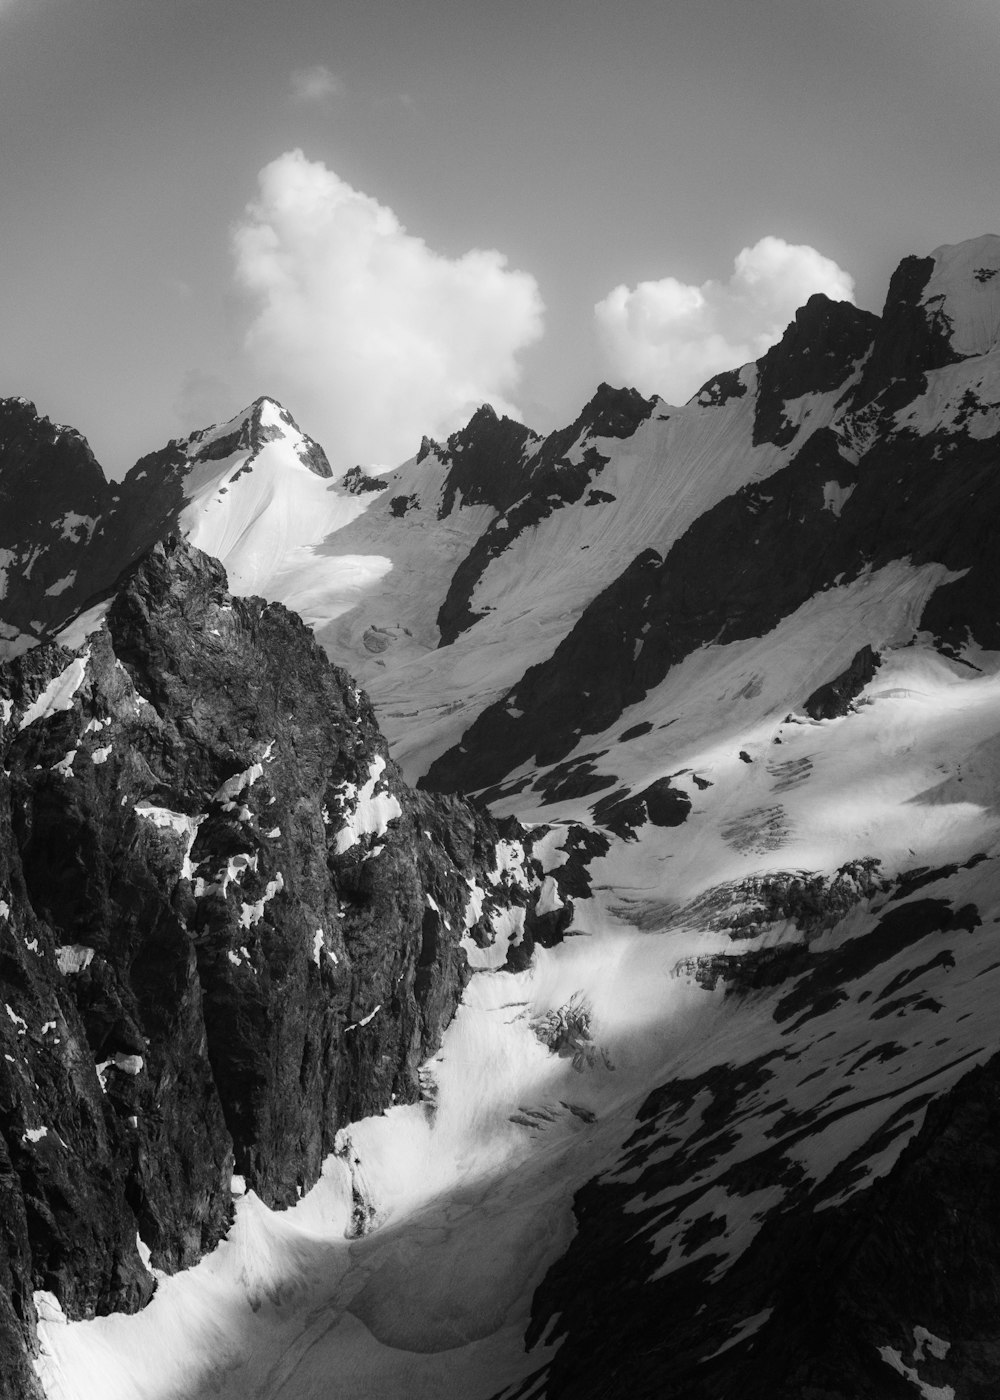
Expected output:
(594, 148)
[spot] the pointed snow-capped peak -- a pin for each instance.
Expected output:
(265, 420)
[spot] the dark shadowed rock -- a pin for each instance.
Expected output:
(835, 697)
(817, 353)
(227, 928)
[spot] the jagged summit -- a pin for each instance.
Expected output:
(246, 434)
(265, 420)
(614, 412)
(825, 344)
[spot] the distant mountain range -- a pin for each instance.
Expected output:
(637, 987)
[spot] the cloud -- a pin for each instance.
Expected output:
(315, 84)
(668, 337)
(370, 337)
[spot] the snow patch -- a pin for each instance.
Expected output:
(549, 899)
(253, 913)
(924, 1341)
(835, 496)
(964, 288)
(75, 633)
(355, 1025)
(61, 585)
(19, 1021)
(73, 958)
(58, 694)
(369, 813)
(894, 1358)
(239, 783)
(508, 931)
(144, 1252)
(73, 526)
(231, 872)
(185, 826)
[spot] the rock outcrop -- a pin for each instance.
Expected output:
(226, 928)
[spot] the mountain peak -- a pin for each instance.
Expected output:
(614, 412)
(963, 293)
(262, 421)
(481, 460)
(821, 346)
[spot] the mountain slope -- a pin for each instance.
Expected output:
(715, 1111)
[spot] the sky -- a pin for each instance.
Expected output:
(385, 213)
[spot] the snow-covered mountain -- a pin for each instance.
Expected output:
(719, 1109)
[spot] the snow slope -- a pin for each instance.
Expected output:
(265, 513)
(471, 1189)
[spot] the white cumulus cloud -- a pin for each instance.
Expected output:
(370, 337)
(668, 337)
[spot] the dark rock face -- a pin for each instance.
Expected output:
(834, 698)
(226, 928)
(487, 462)
(660, 803)
(52, 497)
(527, 487)
(846, 1295)
(811, 902)
(818, 351)
(359, 482)
(399, 505)
(720, 389)
(49, 471)
(737, 571)
(910, 341)
(66, 534)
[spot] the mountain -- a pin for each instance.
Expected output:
(665, 1066)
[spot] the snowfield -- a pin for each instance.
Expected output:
(470, 1191)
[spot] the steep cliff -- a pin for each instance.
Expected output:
(227, 928)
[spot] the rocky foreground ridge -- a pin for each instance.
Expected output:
(227, 928)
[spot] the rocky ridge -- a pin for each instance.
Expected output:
(227, 927)
(869, 488)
